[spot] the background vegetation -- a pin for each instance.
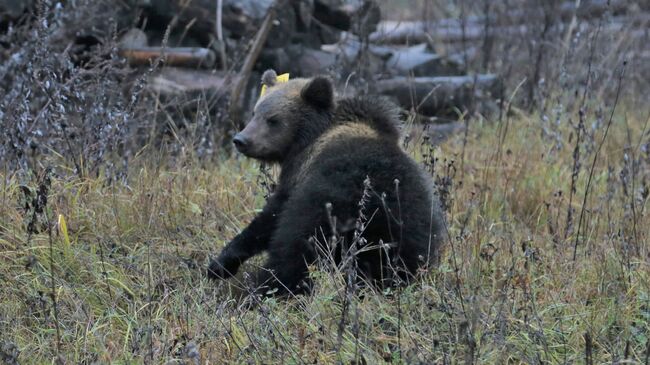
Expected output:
(108, 216)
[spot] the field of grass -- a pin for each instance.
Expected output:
(531, 274)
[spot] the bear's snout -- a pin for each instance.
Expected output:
(240, 142)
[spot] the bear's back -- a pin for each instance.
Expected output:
(353, 149)
(352, 162)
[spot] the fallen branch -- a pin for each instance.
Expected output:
(219, 30)
(249, 62)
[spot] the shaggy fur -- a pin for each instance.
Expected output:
(341, 163)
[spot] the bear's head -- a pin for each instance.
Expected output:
(288, 117)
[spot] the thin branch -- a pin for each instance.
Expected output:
(593, 164)
(219, 30)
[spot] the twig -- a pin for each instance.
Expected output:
(575, 170)
(104, 272)
(633, 189)
(43, 188)
(399, 284)
(53, 288)
(588, 350)
(219, 30)
(149, 302)
(593, 164)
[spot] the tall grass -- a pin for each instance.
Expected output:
(548, 258)
(129, 285)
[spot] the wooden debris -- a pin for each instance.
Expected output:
(440, 96)
(133, 38)
(361, 17)
(249, 62)
(174, 56)
(418, 61)
(178, 81)
(473, 28)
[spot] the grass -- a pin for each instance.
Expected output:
(126, 285)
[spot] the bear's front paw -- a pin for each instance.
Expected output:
(222, 268)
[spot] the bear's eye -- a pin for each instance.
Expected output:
(273, 122)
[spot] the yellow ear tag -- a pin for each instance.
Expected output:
(279, 80)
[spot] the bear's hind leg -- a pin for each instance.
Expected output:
(286, 269)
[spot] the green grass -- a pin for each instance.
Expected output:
(129, 285)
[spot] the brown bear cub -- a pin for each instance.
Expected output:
(343, 175)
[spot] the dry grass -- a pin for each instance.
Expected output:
(128, 286)
(123, 283)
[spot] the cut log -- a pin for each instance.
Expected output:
(438, 133)
(331, 15)
(423, 119)
(397, 60)
(511, 23)
(360, 17)
(441, 96)
(133, 38)
(298, 61)
(350, 46)
(308, 62)
(433, 133)
(178, 81)
(13, 9)
(418, 61)
(240, 18)
(392, 32)
(413, 32)
(174, 56)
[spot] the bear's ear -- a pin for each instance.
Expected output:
(269, 77)
(319, 92)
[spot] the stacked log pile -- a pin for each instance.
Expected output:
(317, 37)
(217, 48)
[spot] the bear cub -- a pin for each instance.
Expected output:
(344, 176)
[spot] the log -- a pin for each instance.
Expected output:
(350, 46)
(418, 61)
(178, 81)
(440, 96)
(513, 22)
(438, 133)
(397, 60)
(133, 38)
(11, 10)
(240, 18)
(360, 17)
(413, 32)
(433, 133)
(392, 32)
(182, 92)
(333, 16)
(298, 61)
(309, 62)
(170, 56)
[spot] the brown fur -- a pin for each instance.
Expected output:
(334, 135)
(333, 155)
